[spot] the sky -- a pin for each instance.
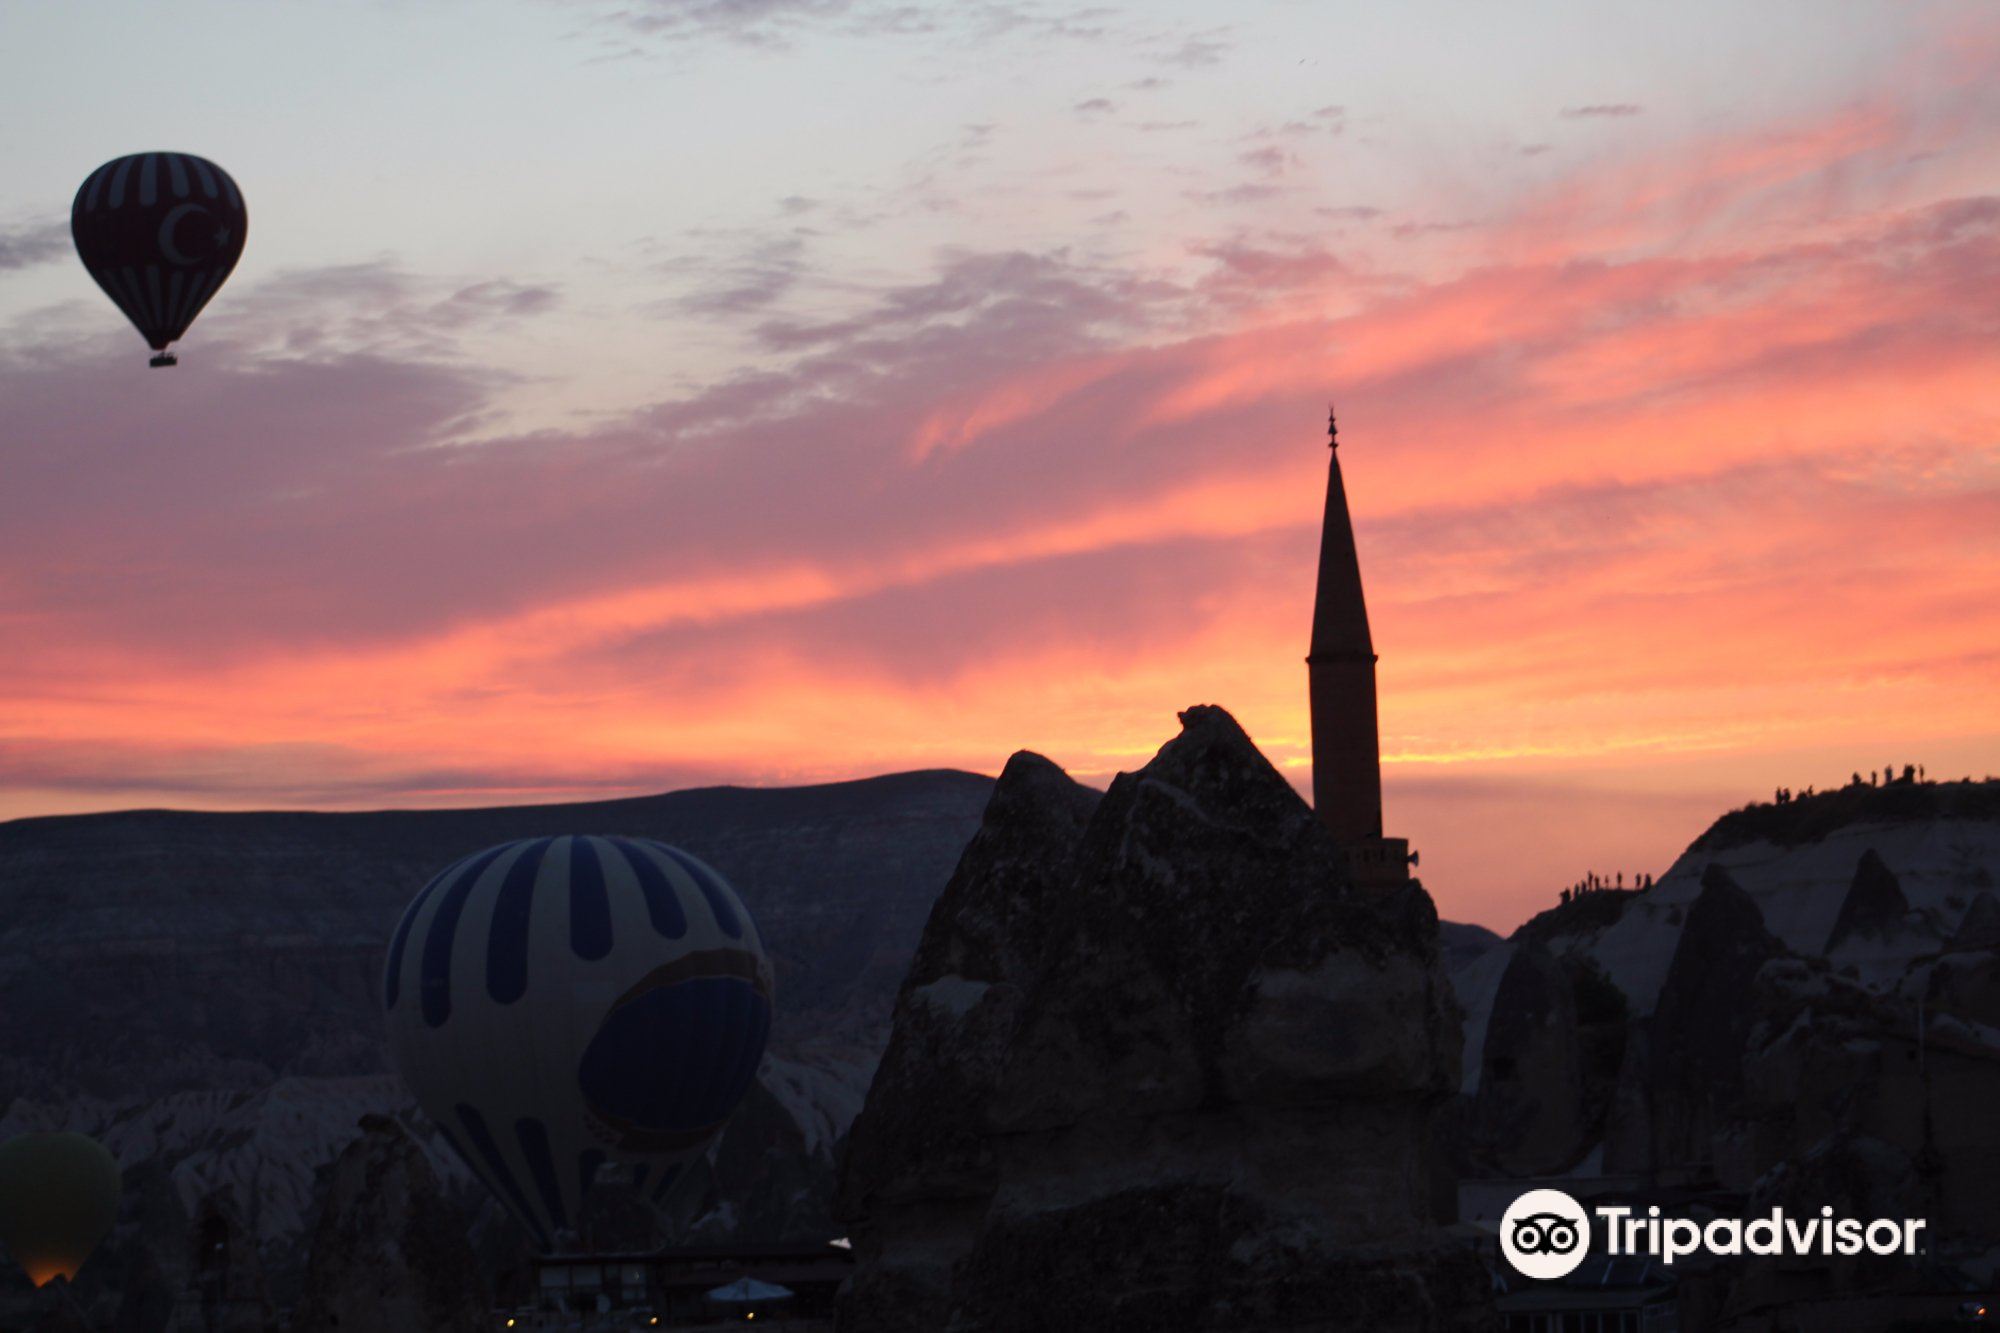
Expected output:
(621, 397)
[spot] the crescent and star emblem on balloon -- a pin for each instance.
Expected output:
(172, 253)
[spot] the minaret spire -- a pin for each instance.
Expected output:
(1340, 667)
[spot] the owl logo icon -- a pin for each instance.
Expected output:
(1545, 1234)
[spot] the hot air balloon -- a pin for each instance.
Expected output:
(559, 1003)
(58, 1198)
(160, 232)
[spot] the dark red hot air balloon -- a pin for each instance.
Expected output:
(160, 232)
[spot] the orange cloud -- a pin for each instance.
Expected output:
(1643, 522)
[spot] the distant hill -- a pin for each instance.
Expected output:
(203, 990)
(1800, 862)
(1811, 818)
(1580, 915)
(117, 927)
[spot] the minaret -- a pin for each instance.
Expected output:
(1340, 668)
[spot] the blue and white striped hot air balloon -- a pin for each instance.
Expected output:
(559, 1003)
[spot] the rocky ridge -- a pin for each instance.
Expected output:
(1157, 1064)
(1871, 879)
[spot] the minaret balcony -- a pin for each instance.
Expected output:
(1378, 863)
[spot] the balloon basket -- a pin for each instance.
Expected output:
(164, 359)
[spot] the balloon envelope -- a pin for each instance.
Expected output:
(159, 232)
(747, 1289)
(58, 1199)
(559, 1003)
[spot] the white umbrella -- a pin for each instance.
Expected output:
(746, 1289)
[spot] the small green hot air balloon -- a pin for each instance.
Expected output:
(58, 1198)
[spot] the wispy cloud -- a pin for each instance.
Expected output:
(1269, 161)
(1196, 50)
(374, 308)
(28, 244)
(783, 24)
(1601, 111)
(769, 267)
(769, 22)
(1715, 404)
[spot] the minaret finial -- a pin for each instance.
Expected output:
(1332, 430)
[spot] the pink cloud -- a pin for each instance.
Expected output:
(1621, 502)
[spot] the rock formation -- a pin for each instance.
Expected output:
(1827, 1065)
(148, 1257)
(1548, 1055)
(1853, 1099)
(60, 1318)
(1158, 1064)
(1979, 928)
(1963, 984)
(389, 1254)
(225, 1274)
(920, 1165)
(1628, 1126)
(1798, 863)
(1527, 1115)
(1874, 905)
(1460, 943)
(1702, 1022)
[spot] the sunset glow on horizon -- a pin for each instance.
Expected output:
(763, 454)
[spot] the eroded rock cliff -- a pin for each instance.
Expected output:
(1158, 1065)
(389, 1253)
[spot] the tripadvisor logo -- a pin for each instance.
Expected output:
(1545, 1234)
